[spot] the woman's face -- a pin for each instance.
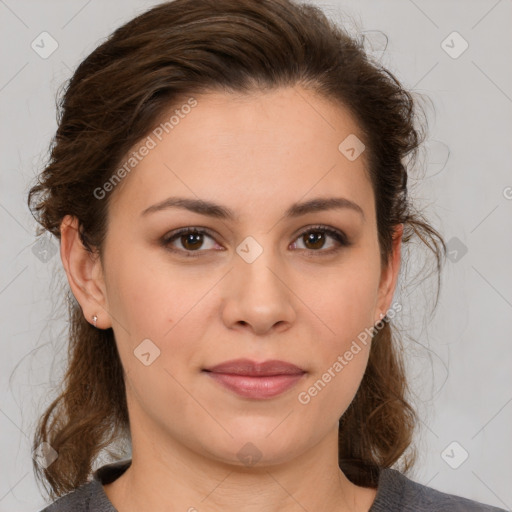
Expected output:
(262, 285)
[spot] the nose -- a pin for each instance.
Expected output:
(257, 295)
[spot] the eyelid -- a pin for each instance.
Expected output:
(338, 235)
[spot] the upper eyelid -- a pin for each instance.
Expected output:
(206, 231)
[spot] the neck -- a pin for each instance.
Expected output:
(191, 482)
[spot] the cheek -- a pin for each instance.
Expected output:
(147, 297)
(339, 364)
(343, 303)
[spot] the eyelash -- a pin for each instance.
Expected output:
(339, 236)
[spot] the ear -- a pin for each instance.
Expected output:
(85, 274)
(389, 274)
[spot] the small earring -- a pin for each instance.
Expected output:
(381, 316)
(94, 319)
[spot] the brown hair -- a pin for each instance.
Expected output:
(113, 100)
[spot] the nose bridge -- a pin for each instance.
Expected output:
(258, 262)
(257, 293)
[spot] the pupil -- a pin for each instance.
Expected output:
(192, 238)
(311, 238)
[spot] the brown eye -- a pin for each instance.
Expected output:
(314, 239)
(191, 239)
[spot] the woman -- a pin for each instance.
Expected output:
(228, 186)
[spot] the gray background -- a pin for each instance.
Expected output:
(461, 358)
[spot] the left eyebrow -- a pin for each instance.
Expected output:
(218, 211)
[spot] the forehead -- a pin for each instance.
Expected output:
(247, 151)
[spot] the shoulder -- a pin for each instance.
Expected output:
(77, 500)
(89, 497)
(398, 493)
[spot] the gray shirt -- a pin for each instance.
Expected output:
(395, 493)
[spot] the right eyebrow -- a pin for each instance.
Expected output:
(218, 211)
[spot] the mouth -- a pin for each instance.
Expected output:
(250, 379)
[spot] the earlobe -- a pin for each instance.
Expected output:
(389, 276)
(84, 273)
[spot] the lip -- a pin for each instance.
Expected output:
(255, 369)
(250, 379)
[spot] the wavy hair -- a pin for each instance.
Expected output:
(115, 98)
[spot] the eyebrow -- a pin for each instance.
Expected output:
(218, 211)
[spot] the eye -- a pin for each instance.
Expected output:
(190, 238)
(314, 239)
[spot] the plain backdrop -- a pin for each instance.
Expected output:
(458, 54)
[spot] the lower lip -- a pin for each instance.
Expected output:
(256, 387)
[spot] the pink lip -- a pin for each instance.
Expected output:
(256, 380)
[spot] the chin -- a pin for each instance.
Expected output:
(256, 448)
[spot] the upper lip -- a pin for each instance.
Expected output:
(253, 368)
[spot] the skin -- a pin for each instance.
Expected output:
(256, 154)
